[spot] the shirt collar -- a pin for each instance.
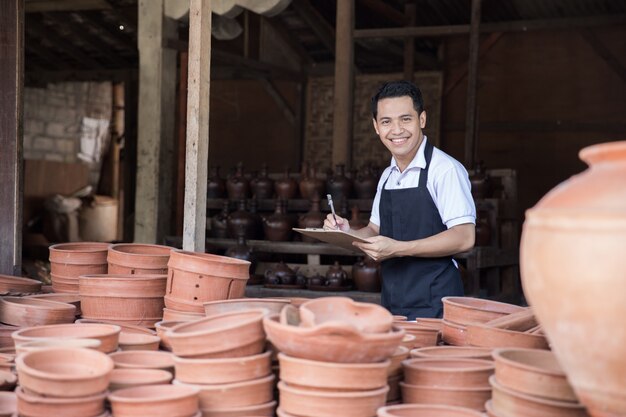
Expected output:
(419, 160)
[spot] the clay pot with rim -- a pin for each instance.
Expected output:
(365, 317)
(139, 341)
(424, 335)
(138, 258)
(161, 328)
(68, 261)
(312, 219)
(273, 305)
(448, 372)
(216, 186)
(411, 410)
(126, 378)
(460, 352)
(155, 401)
(237, 394)
(454, 334)
(18, 285)
(64, 372)
(336, 276)
(31, 405)
(581, 225)
(57, 342)
(310, 185)
(237, 185)
(484, 336)
(260, 410)
(277, 226)
(473, 398)
(222, 370)
(69, 298)
(143, 359)
(241, 223)
(286, 187)
(126, 328)
(468, 310)
(22, 311)
(339, 186)
(108, 334)
(395, 367)
(175, 315)
(262, 185)
(280, 274)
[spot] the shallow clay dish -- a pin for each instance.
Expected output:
(23, 311)
(222, 370)
(64, 372)
(483, 336)
(412, 410)
(155, 401)
(473, 398)
(261, 410)
(365, 317)
(448, 372)
(57, 342)
(176, 315)
(464, 352)
(273, 305)
(143, 359)
(139, 341)
(237, 394)
(127, 378)
(108, 334)
(126, 328)
(69, 298)
(468, 310)
(18, 285)
(161, 328)
(38, 406)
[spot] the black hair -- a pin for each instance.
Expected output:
(398, 89)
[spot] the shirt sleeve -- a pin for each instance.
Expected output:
(453, 196)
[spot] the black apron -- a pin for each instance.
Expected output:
(413, 286)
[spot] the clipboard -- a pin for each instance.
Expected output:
(334, 237)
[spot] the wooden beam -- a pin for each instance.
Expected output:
(11, 135)
(65, 5)
(410, 10)
(271, 89)
(605, 53)
(317, 22)
(197, 146)
(381, 8)
(344, 82)
(181, 138)
(510, 26)
(472, 86)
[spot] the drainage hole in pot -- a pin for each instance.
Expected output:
(197, 285)
(195, 298)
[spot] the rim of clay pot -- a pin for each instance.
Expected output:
(481, 336)
(531, 398)
(138, 339)
(104, 363)
(30, 398)
(518, 358)
(121, 376)
(14, 310)
(426, 409)
(33, 345)
(127, 328)
(183, 331)
(188, 315)
(165, 325)
(480, 304)
(25, 284)
(332, 394)
(334, 365)
(222, 361)
(187, 261)
(240, 410)
(444, 388)
(230, 385)
(603, 152)
(452, 352)
(149, 359)
(139, 255)
(210, 305)
(451, 365)
(78, 253)
(60, 297)
(95, 330)
(159, 392)
(367, 317)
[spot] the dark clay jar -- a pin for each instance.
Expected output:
(240, 222)
(280, 274)
(238, 186)
(219, 223)
(356, 222)
(242, 251)
(365, 183)
(366, 275)
(277, 226)
(216, 186)
(313, 218)
(339, 186)
(336, 276)
(262, 186)
(286, 187)
(311, 186)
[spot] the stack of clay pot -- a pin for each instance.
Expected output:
(334, 357)
(531, 382)
(68, 261)
(195, 278)
(223, 357)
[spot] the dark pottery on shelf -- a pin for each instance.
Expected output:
(336, 276)
(280, 274)
(481, 182)
(242, 251)
(365, 183)
(241, 222)
(483, 229)
(314, 218)
(339, 186)
(286, 187)
(277, 226)
(310, 185)
(262, 186)
(366, 275)
(219, 222)
(216, 186)
(316, 280)
(238, 186)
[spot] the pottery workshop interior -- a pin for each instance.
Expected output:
(312, 208)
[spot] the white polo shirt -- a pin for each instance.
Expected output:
(448, 184)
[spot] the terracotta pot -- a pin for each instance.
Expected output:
(19, 311)
(394, 394)
(277, 226)
(411, 410)
(581, 225)
(432, 323)
(55, 343)
(448, 372)
(310, 186)
(31, 405)
(365, 317)
(126, 378)
(222, 370)
(533, 372)
(65, 284)
(316, 403)
(68, 261)
(143, 359)
(467, 310)
(69, 298)
(183, 305)
(216, 186)
(108, 334)
(219, 222)
(18, 285)
(473, 398)
(155, 401)
(161, 329)
(238, 333)
(454, 334)
(139, 341)
(366, 274)
(339, 186)
(332, 376)
(8, 404)
(483, 336)
(241, 223)
(424, 336)
(237, 394)
(453, 352)
(273, 305)
(262, 186)
(138, 258)
(509, 403)
(286, 188)
(395, 368)
(261, 410)
(177, 315)
(237, 185)
(64, 372)
(126, 328)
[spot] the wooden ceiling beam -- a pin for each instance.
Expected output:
(35, 6)
(385, 10)
(324, 31)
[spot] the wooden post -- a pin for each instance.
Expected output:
(344, 82)
(197, 147)
(11, 118)
(409, 43)
(472, 85)
(181, 137)
(155, 136)
(118, 133)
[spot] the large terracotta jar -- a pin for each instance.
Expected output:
(572, 265)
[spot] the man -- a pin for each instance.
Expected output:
(423, 211)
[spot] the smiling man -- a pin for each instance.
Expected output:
(423, 212)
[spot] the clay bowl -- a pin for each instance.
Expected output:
(483, 336)
(57, 342)
(273, 305)
(8, 380)
(64, 372)
(139, 341)
(454, 334)
(465, 352)
(424, 336)
(336, 376)
(161, 328)
(365, 317)
(176, 315)
(473, 398)
(412, 410)
(260, 410)
(236, 394)
(508, 403)
(126, 378)
(468, 310)
(395, 367)
(222, 370)
(331, 342)
(428, 322)
(137, 258)
(108, 334)
(408, 341)
(8, 404)
(448, 372)
(238, 333)
(143, 359)
(155, 401)
(533, 372)
(18, 285)
(327, 403)
(37, 406)
(126, 328)
(22, 311)
(69, 298)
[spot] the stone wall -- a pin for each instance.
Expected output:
(53, 117)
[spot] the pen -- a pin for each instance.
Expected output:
(332, 209)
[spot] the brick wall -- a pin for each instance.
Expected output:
(53, 116)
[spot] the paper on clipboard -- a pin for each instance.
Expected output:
(334, 237)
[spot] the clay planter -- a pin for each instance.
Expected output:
(19, 311)
(108, 334)
(222, 370)
(316, 403)
(454, 334)
(237, 394)
(532, 372)
(31, 405)
(412, 410)
(57, 343)
(482, 336)
(123, 298)
(183, 305)
(442, 352)
(161, 328)
(331, 342)
(395, 367)
(201, 277)
(273, 305)
(261, 410)
(332, 376)
(8, 404)
(238, 333)
(68, 261)
(365, 317)
(175, 315)
(448, 372)
(143, 359)
(508, 403)
(473, 398)
(65, 284)
(69, 298)
(155, 401)
(139, 341)
(430, 323)
(18, 285)
(64, 372)
(138, 259)
(467, 310)
(424, 336)
(126, 378)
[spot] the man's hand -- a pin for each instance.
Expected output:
(342, 224)
(379, 247)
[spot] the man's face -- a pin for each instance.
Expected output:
(400, 127)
